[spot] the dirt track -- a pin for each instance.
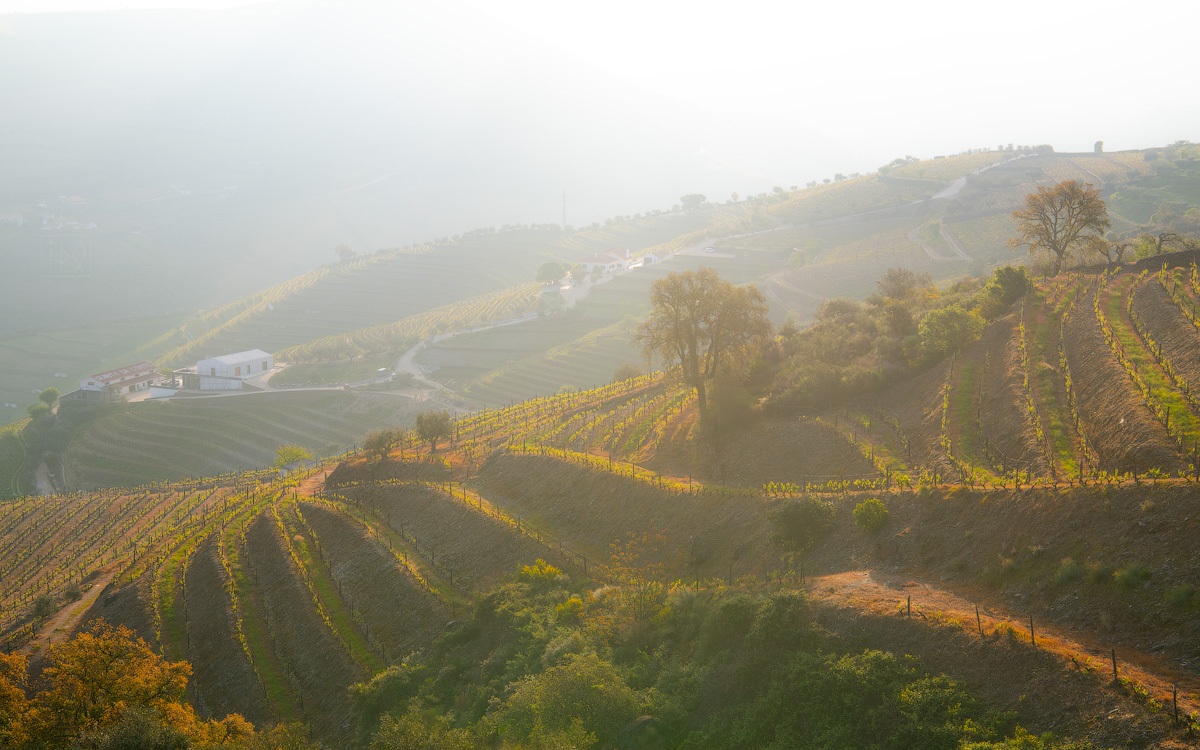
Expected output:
(880, 593)
(60, 625)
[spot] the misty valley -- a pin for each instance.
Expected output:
(388, 377)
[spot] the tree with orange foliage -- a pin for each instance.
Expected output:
(92, 678)
(13, 703)
(106, 686)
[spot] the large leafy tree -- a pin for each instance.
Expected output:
(94, 676)
(949, 329)
(797, 525)
(701, 323)
(1061, 219)
(381, 442)
(432, 426)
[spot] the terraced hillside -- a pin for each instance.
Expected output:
(298, 590)
(576, 348)
(1045, 475)
(198, 437)
(381, 289)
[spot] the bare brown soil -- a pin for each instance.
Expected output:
(594, 509)
(397, 614)
(1005, 551)
(479, 549)
(916, 404)
(315, 660)
(775, 450)
(223, 680)
(127, 606)
(67, 620)
(370, 470)
(1123, 431)
(1005, 419)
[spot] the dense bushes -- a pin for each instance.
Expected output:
(706, 670)
(856, 347)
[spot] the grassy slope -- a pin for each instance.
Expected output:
(12, 456)
(29, 363)
(155, 441)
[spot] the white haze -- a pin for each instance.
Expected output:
(385, 124)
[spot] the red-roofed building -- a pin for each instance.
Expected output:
(122, 380)
(608, 262)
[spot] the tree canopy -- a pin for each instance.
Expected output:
(797, 525)
(550, 271)
(1066, 218)
(288, 454)
(432, 426)
(701, 323)
(381, 442)
(949, 329)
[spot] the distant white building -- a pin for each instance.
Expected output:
(650, 259)
(123, 380)
(226, 373)
(608, 262)
(12, 218)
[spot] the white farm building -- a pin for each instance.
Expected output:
(226, 373)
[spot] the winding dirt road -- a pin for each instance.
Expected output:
(880, 593)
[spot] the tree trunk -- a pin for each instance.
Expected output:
(701, 403)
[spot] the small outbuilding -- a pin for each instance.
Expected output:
(121, 381)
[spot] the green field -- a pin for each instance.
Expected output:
(206, 436)
(578, 348)
(384, 288)
(950, 167)
(850, 196)
(581, 363)
(393, 338)
(12, 457)
(29, 364)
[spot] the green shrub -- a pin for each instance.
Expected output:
(43, 607)
(870, 515)
(797, 525)
(1100, 573)
(569, 611)
(1181, 596)
(586, 693)
(1132, 575)
(541, 572)
(1068, 571)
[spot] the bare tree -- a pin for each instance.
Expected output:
(1061, 219)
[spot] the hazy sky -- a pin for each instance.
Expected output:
(882, 79)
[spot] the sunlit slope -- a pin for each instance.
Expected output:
(577, 348)
(386, 287)
(1091, 378)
